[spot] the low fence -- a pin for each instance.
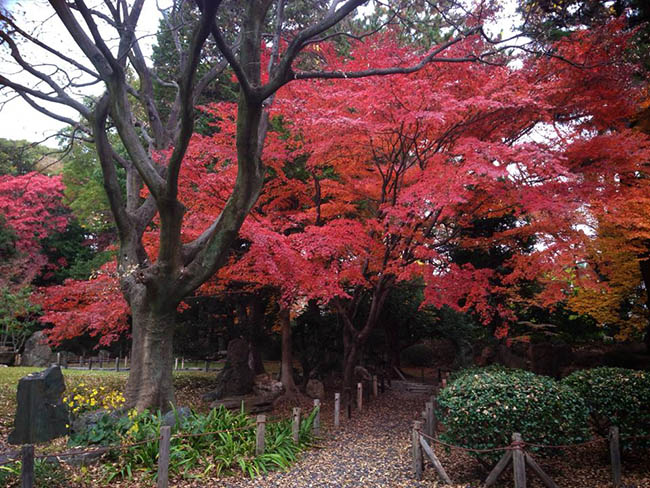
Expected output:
(99, 363)
(27, 455)
(424, 438)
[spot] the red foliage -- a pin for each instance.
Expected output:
(376, 177)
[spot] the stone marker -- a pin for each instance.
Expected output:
(236, 378)
(315, 389)
(37, 352)
(40, 412)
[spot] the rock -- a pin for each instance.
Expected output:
(237, 377)
(361, 374)
(174, 416)
(209, 396)
(37, 352)
(265, 385)
(40, 412)
(315, 389)
(252, 403)
(88, 420)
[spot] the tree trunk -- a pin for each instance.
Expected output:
(645, 274)
(286, 370)
(150, 383)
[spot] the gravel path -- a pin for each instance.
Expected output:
(370, 450)
(373, 450)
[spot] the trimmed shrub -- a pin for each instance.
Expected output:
(472, 370)
(615, 396)
(482, 411)
(417, 355)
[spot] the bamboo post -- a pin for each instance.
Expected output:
(163, 456)
(615, 455)
(428, 411)
(316, 427)
(295, 427)
(359, 396)
(418, 460)
(518, 461)
(337, 409)
(27, 467)
(259, 438)
(117, 364)
(374, 386)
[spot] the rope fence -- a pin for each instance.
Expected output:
(424, 438)
(27, 456)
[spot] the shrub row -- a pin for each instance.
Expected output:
(481, 408)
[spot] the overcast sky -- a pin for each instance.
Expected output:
(17, 119)
(20, 121)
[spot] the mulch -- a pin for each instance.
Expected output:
(373, 449)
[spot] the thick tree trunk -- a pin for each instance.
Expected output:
(150, 383)
(286, 370)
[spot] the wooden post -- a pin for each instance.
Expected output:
(101, 362)
(546, 479)
(117, 363)
(207, 365)
(434, 406)
(317, 417)
(498, 469)
(428, 410)
(518, 461)
(295, 427)
(374, 386)
(259, 438)
(359, 396)
(27, 468)
(418, 460)
(444, 382)
(126, 362)
(615, 455)
(383, 384)
(348, 401)
(58, 359)
(90, 364)
(182, 363)
(176, 364)
(337, 409)
(163, 456)
(435, 461)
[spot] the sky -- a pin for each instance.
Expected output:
(17, 119)
(20, 121)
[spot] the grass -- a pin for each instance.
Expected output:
(189, 386)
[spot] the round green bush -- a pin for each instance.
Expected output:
(483, 410)
(417, 355)
(615, 396)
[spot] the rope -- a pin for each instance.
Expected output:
(514, 445)
(200, 434)
(520, 444)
